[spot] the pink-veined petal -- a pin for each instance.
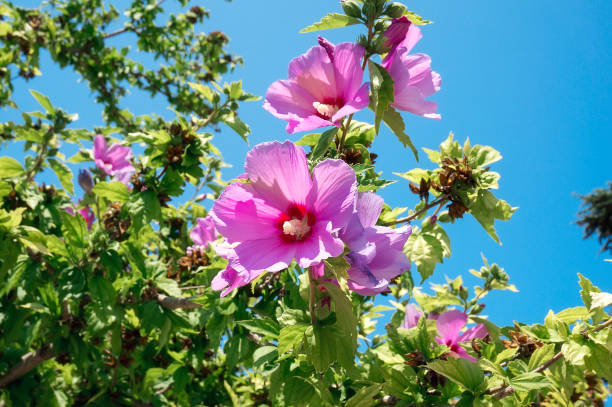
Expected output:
(478, 331)
(369, 206)
(412, 317)
(359, 102)
(461, 353)
(314, 72)
(279, 172)
(320, 245)
(271, 254)
(239, 215)
(333, 192)
(348, 72)
(286, 99)
(450, 324)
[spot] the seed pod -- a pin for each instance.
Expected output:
(351, 8)
(395, 10)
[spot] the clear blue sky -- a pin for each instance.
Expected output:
(530, 78)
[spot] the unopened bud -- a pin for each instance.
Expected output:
(85, 180)
(477, 309)
(433, 220)
(351, 8)
(463, 293)
(395, 10)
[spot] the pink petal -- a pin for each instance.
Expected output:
(239, 215)
(297, 124)
(356, 103)
(231, 279)
(314, 72)
(271, 254)
(450, 324)
(204, 232)
(461, 353)
(286, 99)
(348, 72)
(369, 207)
(478, 331)
(333, 192)
(318, 270)
(412, 37)
(412, 317)
(320, 245)
(421, 75)
(389, 243)
(99, 148)
(279, 172)
(362, 290)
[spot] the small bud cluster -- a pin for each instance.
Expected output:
(114, 224)
(525, 344)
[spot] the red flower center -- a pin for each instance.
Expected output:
(296, 223)
(326, 109)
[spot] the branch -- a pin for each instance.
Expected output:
(28, 362)
(311, 299)
(176, 303)
(440, 201)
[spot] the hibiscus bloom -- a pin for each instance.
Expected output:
(324, 86)
(204, 232)
(413, 79)
(411, 319)
(282, 212)
(449, 325)
(376, 255)
(113, 161)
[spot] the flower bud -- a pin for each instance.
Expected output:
(85, 180)
(463, 293)
(477, 309)
(351, 8)
(395, 10)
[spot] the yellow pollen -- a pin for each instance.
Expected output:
(325, 110)
(296, 227)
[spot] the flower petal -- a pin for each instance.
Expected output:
(450, 324)
(314, 72)
(279, 172)
(348, 72)
(320, 245)
(478, 331)
(204, 232)
(286, 100)
(359, 101)
(240, 215)
(411, 318)
(369, 207)
(333, 192)
(271, 254)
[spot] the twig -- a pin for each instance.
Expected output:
(28, 362)
(177, 303)
(440, 201)
(604, 325)
(121, 31)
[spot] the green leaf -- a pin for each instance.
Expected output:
(482, 156)
(360, 133)
(574, 314)
(237, 125)
(290, 336)
(394, 121)
(264, 354)
(9, 168)
(203, 90)
(451, 148)
(461, 371)
(114, 191)
(319, 150)
(541, 355)
(74, 229)
(529, 381)
(365, 397)
(309, 140)
(416, 19)
(485, 207)
(63, 174)
(587, 289)
(44, 101)
(5, 189)
(332, 20)
(601, 300)
(265, 326)
(382, 92)
(427, 249)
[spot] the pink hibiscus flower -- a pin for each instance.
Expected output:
(413, 79)
(113, 161)
(282, 212)
(449, 325)
(204, 232)
(411, 319)
(324, 86)
(376, 255)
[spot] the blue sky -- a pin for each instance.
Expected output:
(529, 78)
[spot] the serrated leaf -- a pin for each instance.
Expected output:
(64, 174)
(237, 125)
(541, 356)
(426, 250)
(332, 20)
(416, 19)
(308, 140)
(601, 300)
(381, 86)
(265, 326)
(529, 381)
(43, 101)
(587, 288)
(394, 121)
(574, 314)
(485, 208)
(319, 150)
(9, 168)
(483, 156)
(264, 354)
(114, 191)
(365, 397)
(461, 371)
(290, 336)
(203, 90)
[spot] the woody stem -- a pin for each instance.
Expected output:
(440, 201)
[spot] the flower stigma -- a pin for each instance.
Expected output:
(325, 110)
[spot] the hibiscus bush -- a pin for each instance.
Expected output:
(159, 282)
